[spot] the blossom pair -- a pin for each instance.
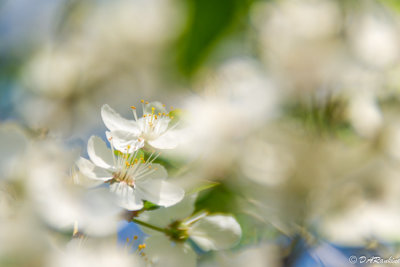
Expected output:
(132, 177)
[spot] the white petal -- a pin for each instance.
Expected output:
(160, 126)
(126, 196)
(99, 152)
(157, 171)
(162, 217)
(124, 141)
(158, 108)
(168, 140)
(114, 121)
(92, 171)
(159, 192)
(163, 253)
(215, 232)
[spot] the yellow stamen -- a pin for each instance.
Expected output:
(133, 107)
(142, 101)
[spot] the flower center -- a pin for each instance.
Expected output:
(131, 167)
(124, 177)
(177, 232)
(152, 124)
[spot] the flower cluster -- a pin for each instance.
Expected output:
(140, 184)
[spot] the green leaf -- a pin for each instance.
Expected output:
(219, 198)
(224, 199)
(253, 231)
(203, 186)
(209, 20)
(147, 205)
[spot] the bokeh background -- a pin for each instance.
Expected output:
(292, 106)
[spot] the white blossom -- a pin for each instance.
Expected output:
(132, 179)
(152, 128)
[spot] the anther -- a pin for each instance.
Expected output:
(133, 107)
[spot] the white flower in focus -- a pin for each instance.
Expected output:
(208, 232)
(152, 128)
(131, 179)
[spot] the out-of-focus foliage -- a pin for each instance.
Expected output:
(208, 22)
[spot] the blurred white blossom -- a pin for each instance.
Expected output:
(13, 142)
(85, 254)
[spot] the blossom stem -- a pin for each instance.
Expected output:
(150, 226)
